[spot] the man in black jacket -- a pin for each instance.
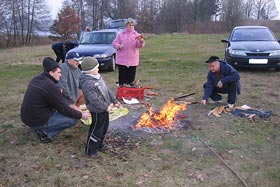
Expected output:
(59, 51)
(43, 108)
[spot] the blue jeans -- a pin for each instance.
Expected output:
(56, 124)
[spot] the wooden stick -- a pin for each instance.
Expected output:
(179, 96)
(216, 154)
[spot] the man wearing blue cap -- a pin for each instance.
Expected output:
(69, 81)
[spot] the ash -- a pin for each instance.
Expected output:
(161, 130)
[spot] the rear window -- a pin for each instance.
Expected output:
(116, 24)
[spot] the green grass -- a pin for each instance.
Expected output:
(172, 64)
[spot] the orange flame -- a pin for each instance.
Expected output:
(164, 118)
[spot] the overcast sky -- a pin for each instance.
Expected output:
(54, 7)
(56, 4)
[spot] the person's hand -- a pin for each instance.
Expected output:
(121, 46)
(118, 104)
(85, 115)
(203, 102)
(140, 38)
(220, 84)
(110, 107)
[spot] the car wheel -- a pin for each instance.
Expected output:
(112, 65)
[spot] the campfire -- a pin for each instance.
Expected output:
(164, 120)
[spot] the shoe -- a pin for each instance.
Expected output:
(43, 137)
(94, 155)
(103, 148)
(229, 106)
(131, 85)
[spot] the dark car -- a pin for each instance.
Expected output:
(252, 46)
(99, 45)
(116, 24)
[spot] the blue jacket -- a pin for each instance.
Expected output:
(228, 74)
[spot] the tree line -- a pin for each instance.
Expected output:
(23, 19)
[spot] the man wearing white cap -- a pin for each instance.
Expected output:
(69, 81)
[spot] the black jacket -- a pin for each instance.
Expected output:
(42, 98)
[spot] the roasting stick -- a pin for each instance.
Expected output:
(216, 154)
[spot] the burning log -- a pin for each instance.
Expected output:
(164, 119)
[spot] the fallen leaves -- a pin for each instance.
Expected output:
(121, 144)
(198, 176)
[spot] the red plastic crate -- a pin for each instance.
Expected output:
(129, 93)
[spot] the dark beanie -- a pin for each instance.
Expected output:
(49, 64)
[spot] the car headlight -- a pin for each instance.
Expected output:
(237, 52)
(100, 55)
(275, 53)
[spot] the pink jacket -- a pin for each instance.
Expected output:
(129, 54)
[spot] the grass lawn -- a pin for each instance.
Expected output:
(172, 64)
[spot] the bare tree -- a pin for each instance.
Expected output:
(232, 13)
(206, 9)
(171, 16)
(265, 9)
(146, 15)
(249, 8)
(22, 18)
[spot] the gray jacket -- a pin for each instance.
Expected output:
(98, 95)
(69, 82)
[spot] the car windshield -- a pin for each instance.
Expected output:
(252, 34)
(99, 38)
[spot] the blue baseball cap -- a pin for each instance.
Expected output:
(73, 55)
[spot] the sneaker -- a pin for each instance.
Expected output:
(94, 155)
(229, 106)
(43, 137)
(103, 148)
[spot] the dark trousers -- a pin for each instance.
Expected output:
(126, 74)
(229, 88)
(58, 50)
(97, 132)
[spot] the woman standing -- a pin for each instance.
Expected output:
(127, 44)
